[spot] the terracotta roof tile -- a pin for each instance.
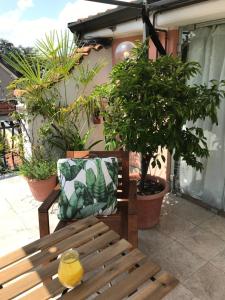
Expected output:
(87, 49)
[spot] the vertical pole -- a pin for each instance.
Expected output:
(145, 27)
(4, 150)
(12, 124)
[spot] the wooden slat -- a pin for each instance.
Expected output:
(157, 289)
(41, 273)
(93, 284)
(91, 262)
(54, 287)
(46, 241)
(52, 252)
(131, 282)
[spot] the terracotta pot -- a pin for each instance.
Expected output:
(149, 206)
(6, 108)
(40, 189)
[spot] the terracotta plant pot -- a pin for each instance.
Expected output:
(149, 206)
(40, 189)
(6, 108)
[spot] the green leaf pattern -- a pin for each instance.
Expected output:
(88, 187)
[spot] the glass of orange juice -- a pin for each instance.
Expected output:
(70, 271)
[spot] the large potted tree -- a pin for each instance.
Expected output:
(149, 105)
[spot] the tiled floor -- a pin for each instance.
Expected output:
(189, 242)
(18, 214)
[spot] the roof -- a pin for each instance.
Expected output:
(13, 71)
(112, 17)
(84, 51)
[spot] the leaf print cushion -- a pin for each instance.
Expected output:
(88, 187)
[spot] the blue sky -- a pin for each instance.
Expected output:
(40, 8)
(22, 22)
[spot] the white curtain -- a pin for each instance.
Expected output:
(207, 47)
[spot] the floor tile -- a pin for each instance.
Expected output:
(151, 240)
(180, 293)
(178, 260)
(208, 283)
(219, 261)
(202, 243)
(10, 224)
(173, 226)
(193, 213)
(216, 225)
(14, 241)
(170, 203)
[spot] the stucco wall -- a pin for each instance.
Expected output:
(103, 56)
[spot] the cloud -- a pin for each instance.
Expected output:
(82, 9)
(23, 4)
(25, 32)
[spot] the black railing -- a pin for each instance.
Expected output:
(8, 153)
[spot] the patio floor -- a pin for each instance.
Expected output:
(189, 242)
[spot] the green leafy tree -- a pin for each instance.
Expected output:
(7, 47)
(149, 105)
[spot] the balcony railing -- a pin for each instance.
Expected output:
(9, 158)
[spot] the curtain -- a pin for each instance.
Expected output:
(207, 47)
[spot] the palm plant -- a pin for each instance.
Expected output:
(44, 91)
(53, 60)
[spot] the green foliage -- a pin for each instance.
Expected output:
(62, 131)
(2, 144)
(150, 102)
(4, 148)
(39, 169)
(52, 61)
(43, 90)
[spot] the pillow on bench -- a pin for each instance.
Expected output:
(88, 187)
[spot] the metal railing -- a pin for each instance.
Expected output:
(8, 153)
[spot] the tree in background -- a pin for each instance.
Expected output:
(8, 48)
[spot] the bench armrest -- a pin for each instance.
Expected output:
(43, 215)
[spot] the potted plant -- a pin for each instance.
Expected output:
(48, 116)
(149, 105)
(41, 176)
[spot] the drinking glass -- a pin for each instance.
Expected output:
(70, 271)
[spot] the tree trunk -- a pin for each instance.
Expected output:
(145, 160)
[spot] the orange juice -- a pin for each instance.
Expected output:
(70, 270)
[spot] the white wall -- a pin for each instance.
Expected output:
(101, 56)
(192, 14)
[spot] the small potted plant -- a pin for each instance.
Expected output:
(41, 176)
(149, 105)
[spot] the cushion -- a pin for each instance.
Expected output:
(88, 187)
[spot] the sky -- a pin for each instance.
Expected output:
(22, 22)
